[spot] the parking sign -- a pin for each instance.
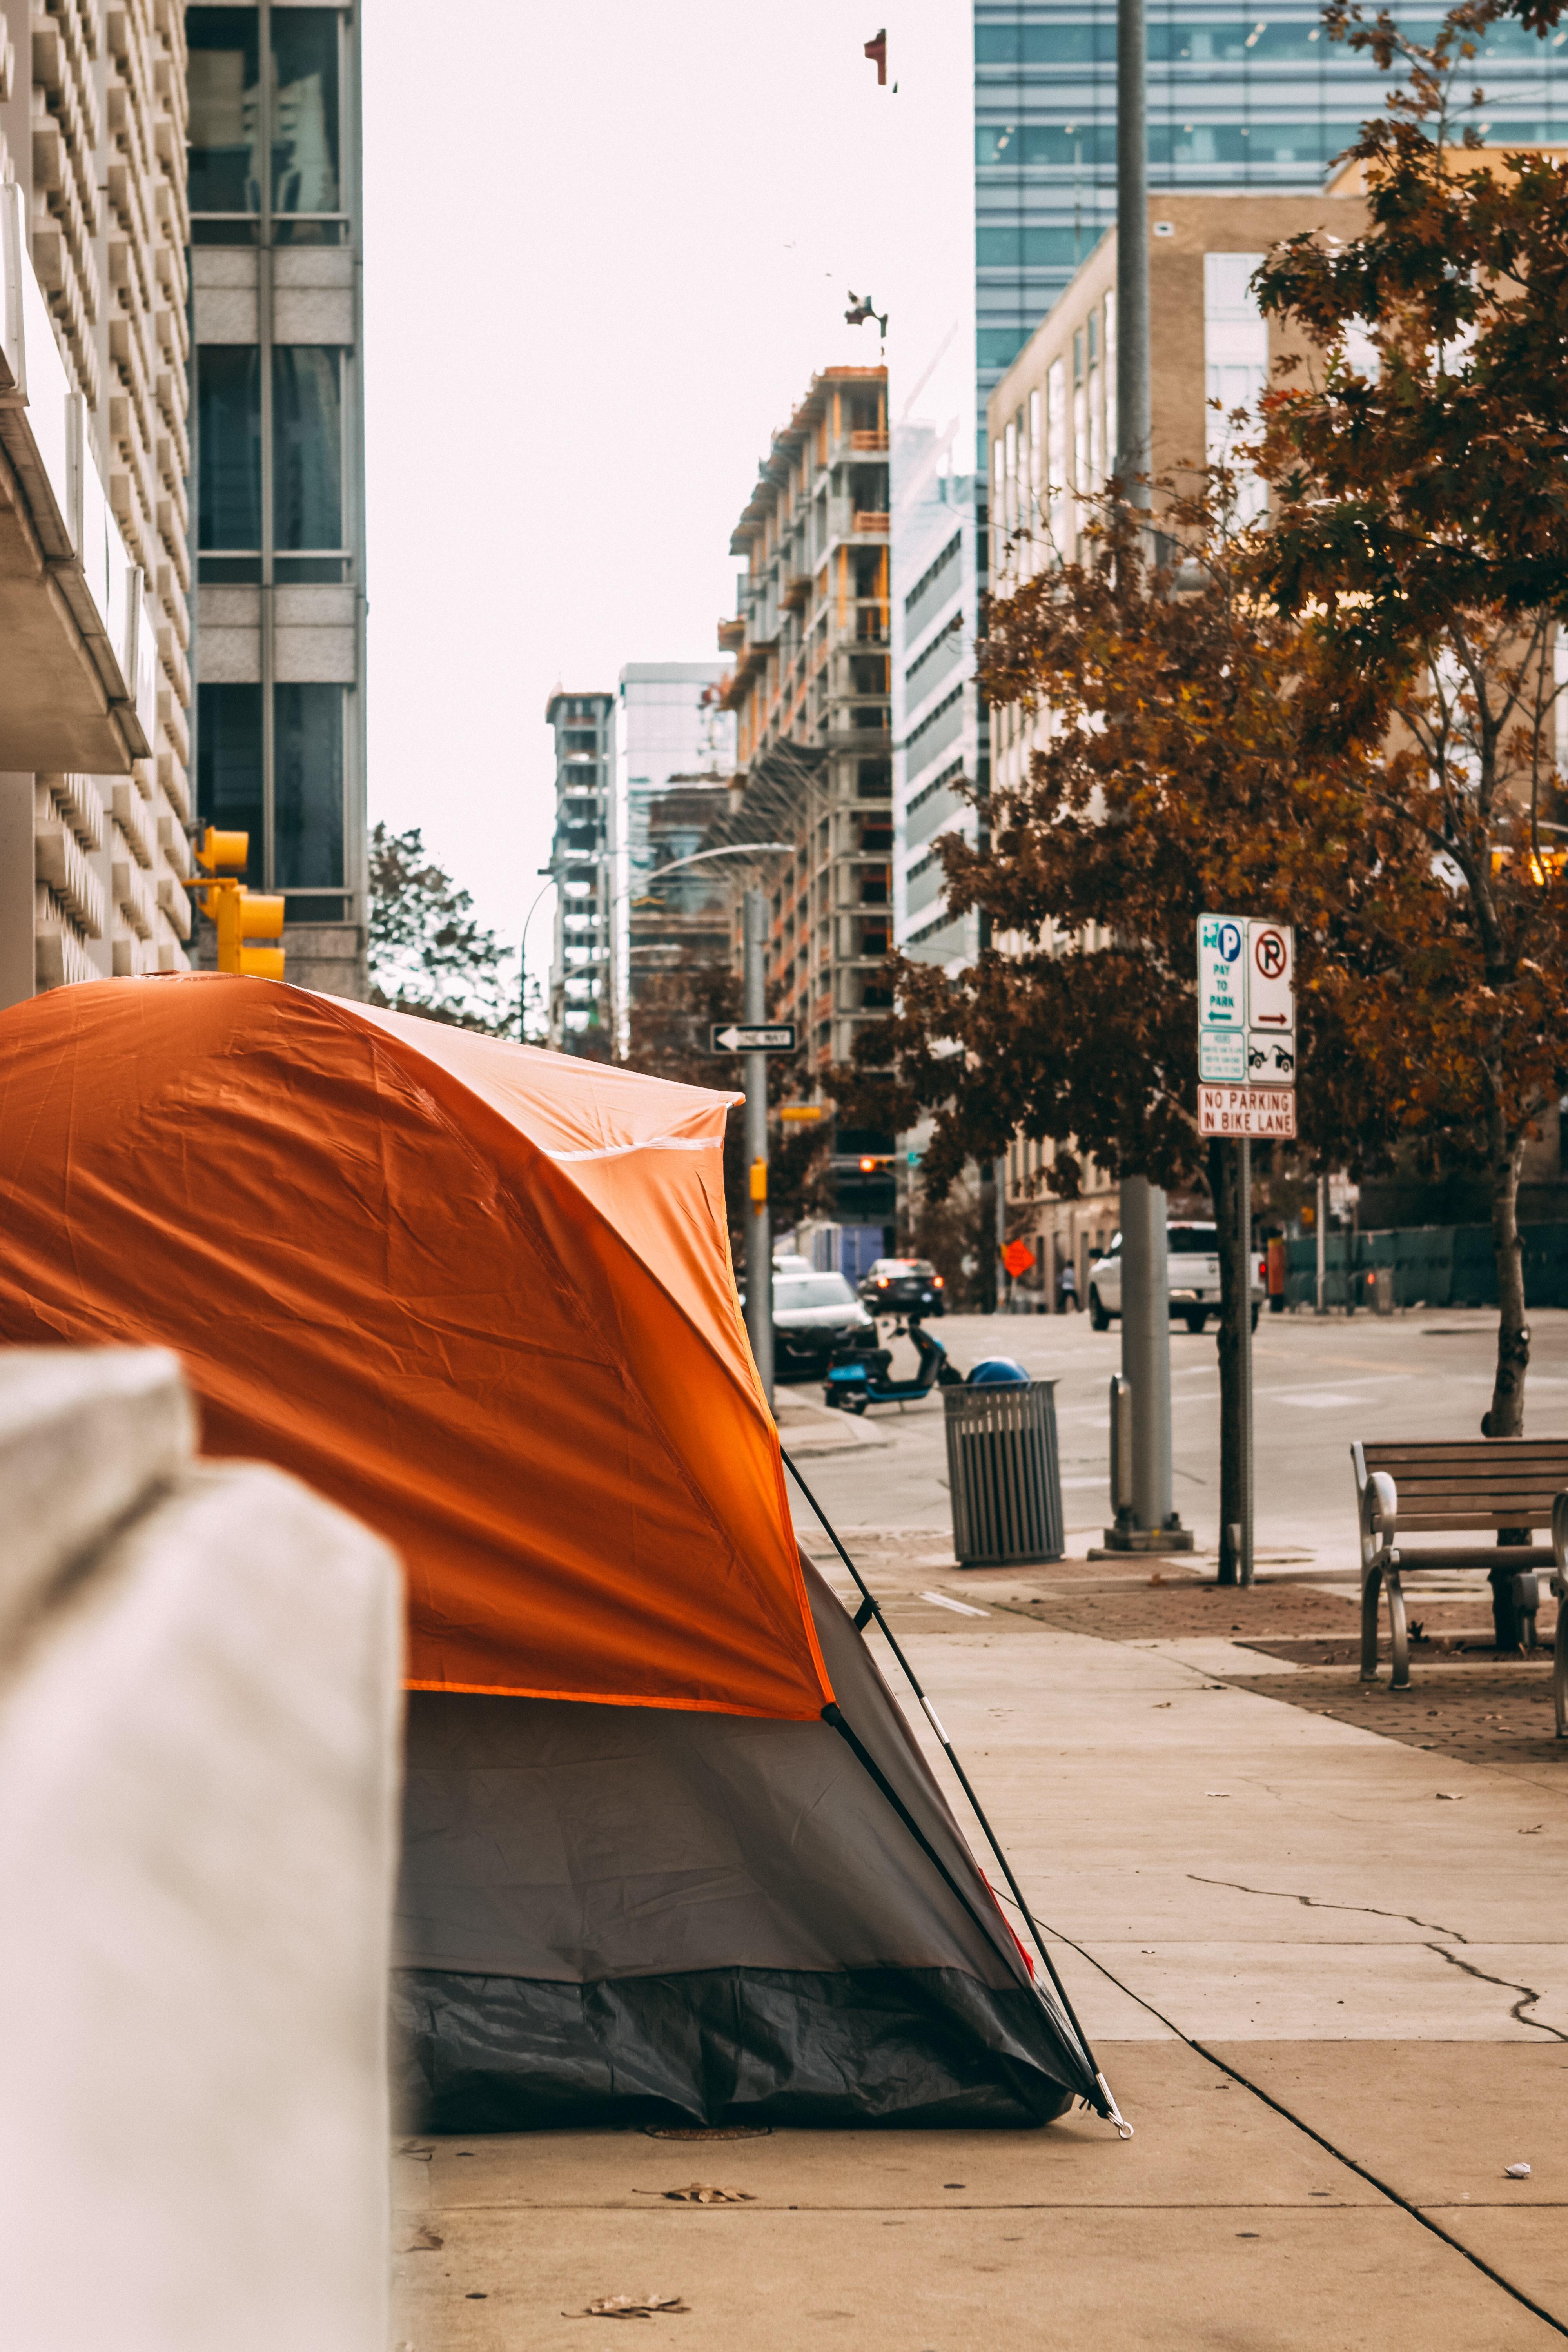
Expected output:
(1247, 1019)
(1222, 973)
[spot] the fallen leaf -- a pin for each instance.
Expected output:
(1159, 1702)
(1449, 1797)
(702, 2192)
(1216, 1793)
(423, 2242)
(627, 2306)
(1516, 2171)
(708, 2131)
(1535, 1830)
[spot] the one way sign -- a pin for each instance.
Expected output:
(773, 1037)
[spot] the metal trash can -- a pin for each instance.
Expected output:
(1005, 1474)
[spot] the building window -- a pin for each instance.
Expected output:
(230, 789)
(308, 787)
(306, 447)
(228, 441)
(305, 111)
(226, 110)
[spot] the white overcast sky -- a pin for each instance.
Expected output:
(605, 248)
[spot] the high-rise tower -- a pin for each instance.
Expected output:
(279, 462)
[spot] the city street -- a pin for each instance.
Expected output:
(948, 682)
(1324, 1965)
(1318, 1387)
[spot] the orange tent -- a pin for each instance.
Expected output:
(479, 1295)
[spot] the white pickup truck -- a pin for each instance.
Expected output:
(1193, 1268)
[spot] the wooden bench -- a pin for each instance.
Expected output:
(1455, 1486)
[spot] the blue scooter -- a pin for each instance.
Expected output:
(856, 1381)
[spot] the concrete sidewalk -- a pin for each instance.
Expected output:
(1324, 1973)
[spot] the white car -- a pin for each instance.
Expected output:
(1194, 1270)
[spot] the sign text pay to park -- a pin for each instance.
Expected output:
(1246, 1026)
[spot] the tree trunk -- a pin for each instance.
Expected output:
(1235, 1300)
(1506, 1418)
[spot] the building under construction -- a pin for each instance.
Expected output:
(810, 694)
(675, 925)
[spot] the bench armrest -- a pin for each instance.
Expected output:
(1560, 1544)
(1380, 1520)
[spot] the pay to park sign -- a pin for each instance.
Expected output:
(1246, 1026)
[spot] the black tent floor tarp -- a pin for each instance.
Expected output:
(641, 1914)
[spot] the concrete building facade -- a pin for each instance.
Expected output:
(95, 686)
(810, 692)
(1052, 426)
(669, 722)
(940, 742)
(582, 965)
(276, 265)
(1235, 101)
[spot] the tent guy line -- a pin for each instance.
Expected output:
(871, 1607)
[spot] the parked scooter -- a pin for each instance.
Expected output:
(855, 1381)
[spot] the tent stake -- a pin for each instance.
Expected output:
(871, 1606)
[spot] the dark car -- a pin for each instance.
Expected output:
(903, 1286)
(815, 1315)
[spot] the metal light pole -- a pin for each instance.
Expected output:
(554, 876)
(1146, 1364)
(1145, 1272)
(1132, 411)
(1244, 1211)
(759, 1220)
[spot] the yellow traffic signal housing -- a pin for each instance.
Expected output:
(244, 915)
(216, 850)
(240, 915)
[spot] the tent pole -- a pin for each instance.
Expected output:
(874, 1607)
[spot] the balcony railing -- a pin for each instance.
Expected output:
(847, 521)
(64, 719)
(871, 443)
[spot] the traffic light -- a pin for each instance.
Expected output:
(239, 915)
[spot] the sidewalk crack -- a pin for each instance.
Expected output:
(1319, 1903)
(1517, 2009)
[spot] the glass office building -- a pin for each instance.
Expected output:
(278, 462)
(1253, 96)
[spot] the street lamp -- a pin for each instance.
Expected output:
(677, 865)
(754, 1076)
(553, 875)
(731, 850)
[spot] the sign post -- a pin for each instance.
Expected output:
(1246, 1088)
(754, 1039)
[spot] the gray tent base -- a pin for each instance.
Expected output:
(630, 1914)
(889, 2046)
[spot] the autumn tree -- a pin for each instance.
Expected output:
(1172, 775)
(429, 953)
(1420, 536)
